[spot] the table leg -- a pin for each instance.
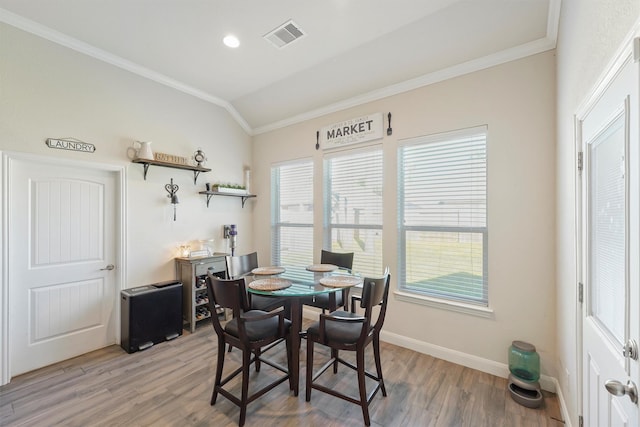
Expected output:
(296, 327)
(333, 305)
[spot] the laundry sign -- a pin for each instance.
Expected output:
(352, 131)
(71, 144)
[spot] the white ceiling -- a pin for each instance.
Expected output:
(354, 51)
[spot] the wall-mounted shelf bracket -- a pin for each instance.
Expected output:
(244, 197)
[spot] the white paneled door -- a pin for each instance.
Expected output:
(610, 235)
(62, 257)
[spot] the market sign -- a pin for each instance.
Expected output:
(71, 144)
(352, 131)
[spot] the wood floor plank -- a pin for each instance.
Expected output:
(170, 385)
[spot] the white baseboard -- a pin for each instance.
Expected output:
(484, 365)
(563, 405)
(492, 367)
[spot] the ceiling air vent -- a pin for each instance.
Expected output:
(284, 34)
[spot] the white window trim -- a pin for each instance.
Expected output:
(426, 300)
(458, 307)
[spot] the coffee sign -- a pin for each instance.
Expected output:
(353, 131)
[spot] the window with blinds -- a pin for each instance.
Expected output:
(353, 207)
(292, 213)
(442, 213)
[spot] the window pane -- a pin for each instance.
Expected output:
(455, 269)
(366, 245)
(292, 214)
(442, 207)
(607, 211)
(296, 244)
(445, 183)
(353, 208)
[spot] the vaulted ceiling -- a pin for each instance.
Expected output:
(352, 51)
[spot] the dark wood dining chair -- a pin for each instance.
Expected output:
(342, 260)
(344, 330)
(251, 331)
(241, 265)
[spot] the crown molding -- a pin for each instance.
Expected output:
(508, 55)
(537, 46)
(117, 61)
(553, 20)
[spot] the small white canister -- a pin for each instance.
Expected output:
(247, 180)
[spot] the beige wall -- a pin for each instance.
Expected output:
(517, 102)
(47, 90)
(50, 91)
(590, 32)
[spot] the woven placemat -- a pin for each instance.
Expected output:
(340, 281)
(271, 284)
(322, 268)
(267, 271)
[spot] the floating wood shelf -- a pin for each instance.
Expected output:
(216, 193)
(146, 163)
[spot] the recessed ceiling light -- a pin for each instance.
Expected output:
(231, 41)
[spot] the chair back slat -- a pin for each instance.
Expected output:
(343, 260)
(229, 294)
(240, 265)
(375, 291)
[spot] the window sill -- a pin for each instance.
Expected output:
(445, 305)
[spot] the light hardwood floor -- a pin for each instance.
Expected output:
(170, 384)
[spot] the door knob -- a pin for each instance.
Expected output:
(618, 389)
(630, 349)
(108, 267)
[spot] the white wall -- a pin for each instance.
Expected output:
(517, 102)
(589, 34)
(47, 90)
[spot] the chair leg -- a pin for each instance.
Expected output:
(246, 357)
(258, 353)
(362, 386)
(376, 356)
(290, 360)
(334, 356)
(219, 366)
(230, 348)
(309, 368)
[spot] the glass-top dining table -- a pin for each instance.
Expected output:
(297, 284)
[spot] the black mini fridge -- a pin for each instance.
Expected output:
(150, 315)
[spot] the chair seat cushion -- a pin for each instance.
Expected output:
(342, 332)
(256, 330)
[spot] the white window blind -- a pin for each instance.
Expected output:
(353, 207)
(443, 216)
(608, 219)
(292, 214)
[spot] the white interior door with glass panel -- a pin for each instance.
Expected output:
(610, 236)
